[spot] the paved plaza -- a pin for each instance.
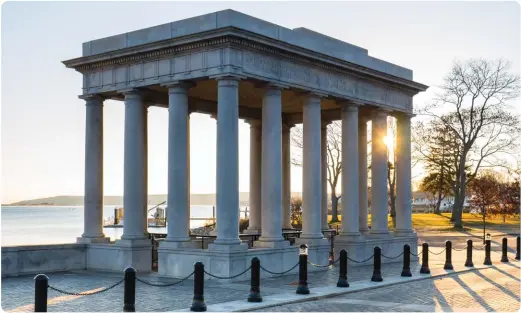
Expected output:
(488, 289)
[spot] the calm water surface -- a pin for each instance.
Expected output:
(31, 225)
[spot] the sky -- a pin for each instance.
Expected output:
(43, 121)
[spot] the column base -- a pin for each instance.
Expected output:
(318, 236)
(88, 240)
(353, 236)
(271, 244)
(144, 242)
(227, 247)
(403, 232)
(166, 244)
(380, 233)
(252, 231)
(364, 231)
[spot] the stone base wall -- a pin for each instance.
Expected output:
(362, 247)
(218, 261)
(22, 260)
(114, 257)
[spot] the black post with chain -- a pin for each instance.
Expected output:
(41, 283)
(468, 261)
(518, 248)
(406, 271)
(254, 295)
(198, 304)
(302, 288)
(342, 273)
(425, 259)
(377, 265)
(504, 257)
(448, 256)
(487, 261)
(129, 296)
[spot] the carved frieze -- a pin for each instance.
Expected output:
(248, 62)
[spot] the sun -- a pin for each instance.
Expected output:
(388, 141)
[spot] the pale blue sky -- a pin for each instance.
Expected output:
(43, 121)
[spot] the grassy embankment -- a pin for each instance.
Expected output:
(442, 222)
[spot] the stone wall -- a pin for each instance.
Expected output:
(22, 260)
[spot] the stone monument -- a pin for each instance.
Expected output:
(234, 66)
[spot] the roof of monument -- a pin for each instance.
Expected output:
(300, 37)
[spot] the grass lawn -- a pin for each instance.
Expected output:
(435, 221)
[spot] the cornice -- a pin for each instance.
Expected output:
(237, 38)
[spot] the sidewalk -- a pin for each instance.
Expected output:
(18, 292)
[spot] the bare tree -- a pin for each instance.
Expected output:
(334, 162)
(475, 93)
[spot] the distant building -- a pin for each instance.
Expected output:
(424, 202)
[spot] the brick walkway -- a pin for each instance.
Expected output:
(486, 290)
(18, 292)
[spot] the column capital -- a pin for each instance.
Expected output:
(270, 85)
(231, 80)
(92, 97)
(404, 115)
(132, 93)
(380, 112)
(179, 86)
(316, 94)
(325, 122)
(350, 105)
(286, 127)
(254, 122)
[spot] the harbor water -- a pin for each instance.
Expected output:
(35, 225)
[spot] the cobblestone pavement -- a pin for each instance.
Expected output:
(490, 290)
(18, 292)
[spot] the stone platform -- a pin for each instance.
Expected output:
(361, 248)
(231, 260)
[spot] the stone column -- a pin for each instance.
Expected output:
(93, 201)
(323, 172)
(254, 226)
(227, 161)
(350, 204)
(135, 167)
(271, 234)
(286, 176)
(362, 175)
(178, 165)
(403, 176)
(379, 174)
(312, 186)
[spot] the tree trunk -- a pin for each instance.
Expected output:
(438, 204)
(458, 205)
(334, 206)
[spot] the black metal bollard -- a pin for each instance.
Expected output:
(129, 296)
(487, 261)
(448, 256)
(41, 283)
(302, 288)
(406, 271)
(504, 257)
(254, 295)
(377, 265)
(468, 262)
(342, 276)
(198, 304)
(518, 247)
(425, 259)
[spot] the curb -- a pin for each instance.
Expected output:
(332, 291)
